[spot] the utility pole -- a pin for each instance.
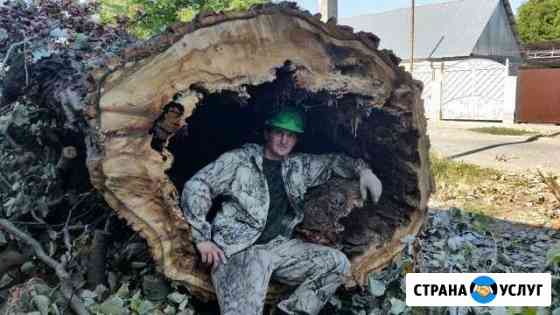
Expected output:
(328, 9)
(412, 37)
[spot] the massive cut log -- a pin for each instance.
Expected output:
(164, 108)
(228, 71)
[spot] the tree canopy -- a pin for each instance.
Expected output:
(539, 20)
(145, 18)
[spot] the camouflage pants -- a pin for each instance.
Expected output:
(242, 282)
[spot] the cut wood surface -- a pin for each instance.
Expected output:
(239, 67)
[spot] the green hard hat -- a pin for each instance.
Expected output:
(290, 119)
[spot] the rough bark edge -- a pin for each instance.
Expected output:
(208, 19)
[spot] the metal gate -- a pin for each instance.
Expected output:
(539, 96)
(473, 89)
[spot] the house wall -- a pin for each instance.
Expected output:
(497, 39)
(431, 75)
(467, 89)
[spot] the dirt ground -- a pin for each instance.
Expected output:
(511, 154)
(515, 192)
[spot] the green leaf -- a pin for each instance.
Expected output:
(41, 303)
(114, 305)
(88, 297)
(145, 307)
(135, 301)
(3, 240)
(28, 267)
(177, 297)
(100, 291)
(3, 34)
(5, 280)
(553, 255)
(529, 311)
(375, 287)
(497, 311)
(54, 309)
(397, 306)
(123, 291)
(169, 310)
(184, 305)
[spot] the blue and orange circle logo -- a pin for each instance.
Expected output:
(483, 289)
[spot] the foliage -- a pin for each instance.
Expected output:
(147, 17)
(553, 255)
(123, 302)
(452, 241)
(450, 171)
(539, 20)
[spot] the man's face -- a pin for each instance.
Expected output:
(279, 143)
(172, 120)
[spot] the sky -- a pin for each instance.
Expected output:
(357, 7)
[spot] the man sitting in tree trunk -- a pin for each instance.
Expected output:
(250, 239)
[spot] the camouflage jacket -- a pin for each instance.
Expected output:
(239, 176)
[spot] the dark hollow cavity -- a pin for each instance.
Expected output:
(226, 120)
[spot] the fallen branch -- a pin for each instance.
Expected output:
(63, 275)
(25, 57)
(12, 47)
(96, 262)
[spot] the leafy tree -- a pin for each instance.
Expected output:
(148, 17)
(539, 20)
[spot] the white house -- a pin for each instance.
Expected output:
(466, 53)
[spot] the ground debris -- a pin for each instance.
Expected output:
(525, 198)
(454, 240)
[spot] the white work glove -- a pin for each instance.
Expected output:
(370, 182)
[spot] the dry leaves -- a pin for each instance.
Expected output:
(530, 198)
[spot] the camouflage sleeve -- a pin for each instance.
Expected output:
(318, 169)
(197, 195)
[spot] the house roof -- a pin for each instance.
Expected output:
(443, 30)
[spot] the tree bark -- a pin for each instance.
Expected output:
(97, 258)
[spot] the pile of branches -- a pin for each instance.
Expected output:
(55, 229)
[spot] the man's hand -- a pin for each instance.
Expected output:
(211, 254)
(370, 182)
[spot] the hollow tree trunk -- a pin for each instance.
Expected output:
(364, 104)
(229, 71)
